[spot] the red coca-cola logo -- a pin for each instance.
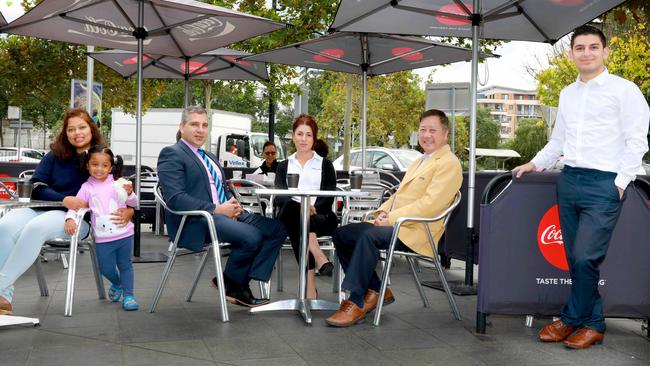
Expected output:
(236, 61)
(194, 67)
(329, 55)
(455, 9)
(134, 60)
(549, 239)
(414, 56)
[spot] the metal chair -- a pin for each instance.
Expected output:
(214, 248)
(71, 247)
(410, 256)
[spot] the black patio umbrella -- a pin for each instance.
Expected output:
(220, 64)
(3, 21)
(538, 20)
(181, 28)
(365, 54)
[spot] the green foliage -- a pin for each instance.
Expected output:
(530, 137)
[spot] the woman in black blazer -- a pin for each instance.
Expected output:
(316, 173)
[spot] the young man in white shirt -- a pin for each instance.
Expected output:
(601, 129)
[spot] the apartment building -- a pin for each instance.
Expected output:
(509, 105)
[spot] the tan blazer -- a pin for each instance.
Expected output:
(425, 192)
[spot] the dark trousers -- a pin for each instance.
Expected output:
(320, 224)
(114, 259)
(256, 242)
(357, 246)
(589, 207)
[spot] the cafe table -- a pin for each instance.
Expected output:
(301, 304)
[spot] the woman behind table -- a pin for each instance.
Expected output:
(56, 178)
(270, 164)
(316, 173)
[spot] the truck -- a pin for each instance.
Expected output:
(231, 138)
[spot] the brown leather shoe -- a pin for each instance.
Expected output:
(5, 307)
(555, 332)
(348, 314)
(584, 338)
(372, 297)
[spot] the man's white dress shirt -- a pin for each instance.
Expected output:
(601, 124)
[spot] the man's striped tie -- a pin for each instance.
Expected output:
(217, 182)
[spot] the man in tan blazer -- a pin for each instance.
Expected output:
(428, 188)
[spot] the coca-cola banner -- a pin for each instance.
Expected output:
(523, 267)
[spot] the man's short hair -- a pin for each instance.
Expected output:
(587, 30)
(193, 109)
(442, 117)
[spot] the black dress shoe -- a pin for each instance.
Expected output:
(326, 269)
(244, 296)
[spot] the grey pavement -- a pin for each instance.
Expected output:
(181, 333)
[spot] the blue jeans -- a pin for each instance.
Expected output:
(589, 206)
(114, 259)
(22, 233)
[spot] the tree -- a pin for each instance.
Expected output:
(530, 137)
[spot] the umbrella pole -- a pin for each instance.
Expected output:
(187, 82)
(138, 129)
(469, 254)
(362, 131)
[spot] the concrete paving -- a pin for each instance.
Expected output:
(182, 333)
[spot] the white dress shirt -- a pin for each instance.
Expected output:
(310, 174)
(601, 124)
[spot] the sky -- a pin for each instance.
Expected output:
(509, 70)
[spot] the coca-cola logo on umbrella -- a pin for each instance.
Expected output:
(206, 28)
(456, 9)
(236, 61)
(134, 60)
(549, 239)
(195, 67)
(415, 56)
(333, 52)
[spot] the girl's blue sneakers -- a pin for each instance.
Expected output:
(115, 294)
(129, 303)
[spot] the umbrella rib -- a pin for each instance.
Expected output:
(121, 10)
(150, 63)
(494, 17)
(534, 24)
(166, 67)
(166, 28)
(362, 16)
(350, 63)
(463, 6)
(502, 7)
(406, 54)
(178, 46)
(234, 64)
(414, 9)
(213, 60)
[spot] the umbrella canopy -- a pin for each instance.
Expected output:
(366, 54)
(3, 21)
(168, 27)
(539, 20)
(220, 64)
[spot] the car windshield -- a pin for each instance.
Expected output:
(407, 157)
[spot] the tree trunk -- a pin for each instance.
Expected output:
(208, 106)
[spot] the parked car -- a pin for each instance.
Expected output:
(26, 155)
(381, 158)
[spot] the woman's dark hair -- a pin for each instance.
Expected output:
(61, 146)
(305, 119)
(117, 164)
(321, 148)
(268, 143)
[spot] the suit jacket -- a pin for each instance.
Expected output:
(186, 186)
(425, 192)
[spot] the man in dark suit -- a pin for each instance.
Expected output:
(192, 179)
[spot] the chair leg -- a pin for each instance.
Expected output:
(219, 274)
(40, 276)
(414, 271)
(265, 289)
(384, 279)
(64, 261)
(279, 269)
(197, 275)
(339, 281)
(163, 281)
(98, 276)
(335, 275)
(445, 284)
(72, 272)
